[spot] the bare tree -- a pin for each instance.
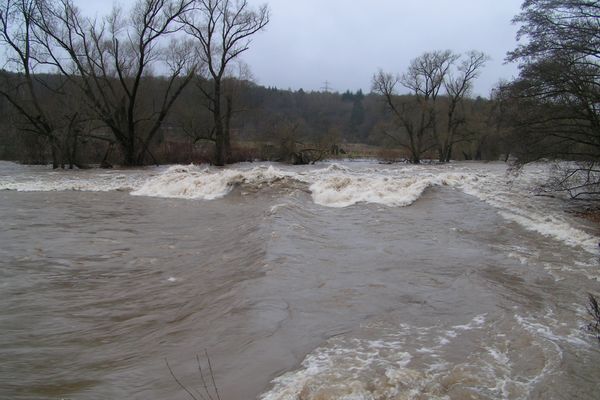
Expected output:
(414, 139)
(431, 78)
(223, 30)
(110, 61)
(458, 85)
(424, 79)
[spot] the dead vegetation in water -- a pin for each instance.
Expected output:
(593, 310)
(209, 390)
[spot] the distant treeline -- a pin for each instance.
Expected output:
(264, 124)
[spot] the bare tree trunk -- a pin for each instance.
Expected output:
(227, 132)
(72, 150)
(448, 153)
(56, 153)
(219, 137)
(415, 156)
(71, 141)
(128, 148)
(104, 163)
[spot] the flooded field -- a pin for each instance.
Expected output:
(337, 281)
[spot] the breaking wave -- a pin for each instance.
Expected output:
(194, 182)
(343, 190)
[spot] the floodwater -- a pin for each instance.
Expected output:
(337, 281)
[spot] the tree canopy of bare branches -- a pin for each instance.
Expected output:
(458, 85)
(110, 59)
(430, 76)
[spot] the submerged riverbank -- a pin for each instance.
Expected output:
(349, 280)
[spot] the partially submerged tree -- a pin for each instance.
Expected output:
(222, 30)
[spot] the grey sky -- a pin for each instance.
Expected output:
(308, 42)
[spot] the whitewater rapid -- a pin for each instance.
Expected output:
(335, 185)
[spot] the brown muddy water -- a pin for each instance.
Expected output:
(343, 281)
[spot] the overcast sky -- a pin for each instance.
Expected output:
(309, 42)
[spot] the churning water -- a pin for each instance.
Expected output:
(340, 281)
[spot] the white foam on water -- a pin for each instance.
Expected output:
(412, 363)
(476, 323)
(499, 356)
(57, 182)
(517, 203)
(339, 186)
(554, 228)
(341, 190)
(545, 330)
(206, 184)
(275, 208)
(337, 372)
(590, 270)
(522, 259)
